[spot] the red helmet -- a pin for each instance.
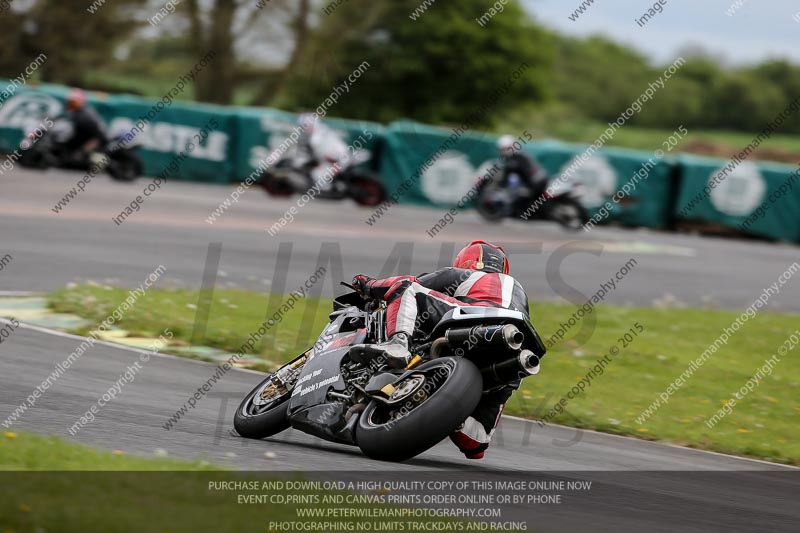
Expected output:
(483, 256)
(76, 99)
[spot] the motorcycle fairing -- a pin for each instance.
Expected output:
(309, 408)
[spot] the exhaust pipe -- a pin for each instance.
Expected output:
(503, 336)
(522, 365)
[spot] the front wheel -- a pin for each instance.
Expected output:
(33, 158)
(263, 412)
(367, 190)
(489, 206)
(569, 213)
(429, 404)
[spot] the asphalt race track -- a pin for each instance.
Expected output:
(134, 422)
(691, 497)
(82, 243)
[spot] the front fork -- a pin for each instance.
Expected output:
(287, 374)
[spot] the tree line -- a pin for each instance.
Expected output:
(437, 68)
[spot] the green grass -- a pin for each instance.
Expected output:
(155, 87)
(22, 451)
(38, 494)
(568, 128)
(233, 316)
(764, 424)
(650, 139)
(49, 484)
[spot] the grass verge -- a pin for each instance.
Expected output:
(763, 424)
(49, 484)
(233, 316)
(23, 451)
(566, 127)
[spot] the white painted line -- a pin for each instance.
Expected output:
(101, 342)
(18, 293)
(657, 443)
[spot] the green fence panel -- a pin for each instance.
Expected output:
(434, 166)
(648, 197)
(168, 137)
(187, 141)
(410, 162)
(23, 108)
(258, 132)
(761, 199)
(410, 156)
(29, 106)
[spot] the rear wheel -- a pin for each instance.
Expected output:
(428, 406)
(125, 166)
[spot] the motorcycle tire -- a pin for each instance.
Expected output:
(275, 187)
(569, 213)
(367, 190)
(437, 415)
(489, 213)
(33, 158)
(125, 167)
(253, 422)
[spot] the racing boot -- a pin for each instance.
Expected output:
(394, 351)
(469, 446)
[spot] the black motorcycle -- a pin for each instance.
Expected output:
(561, 205)
(292, 175)
(120, 159)
(338, 394)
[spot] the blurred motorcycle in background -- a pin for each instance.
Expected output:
(560, 203)
(324, 163)
(117, 157)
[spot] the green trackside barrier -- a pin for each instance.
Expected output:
(408, 163)
(446, 180)
(261, 132)
(164, 139)
(187, 141)
(258, 133)
(236, 140)
(28, 106)
(22, 110)
(651, 181)
(761, 199)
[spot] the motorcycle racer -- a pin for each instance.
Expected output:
(88, 130)
(321, 144)
(478, 277)
(519, 169)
